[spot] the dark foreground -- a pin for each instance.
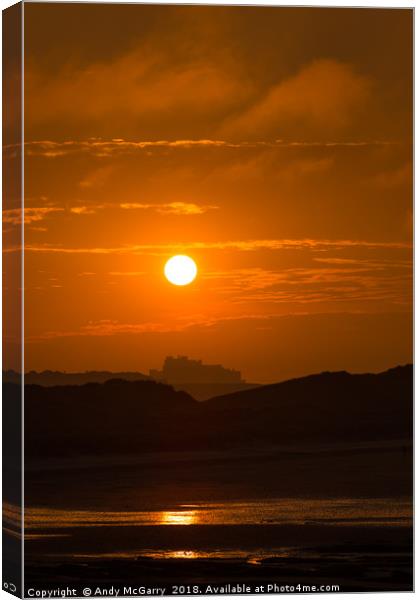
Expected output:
(356, 559)
(132, 484)
(314, 516)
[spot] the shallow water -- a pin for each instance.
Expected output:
(364, 543)
(296, 511)
(315, 516)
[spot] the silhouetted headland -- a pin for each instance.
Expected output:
(198, 379)
(51, 378)
(133, 417)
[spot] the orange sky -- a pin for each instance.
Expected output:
(271, 145)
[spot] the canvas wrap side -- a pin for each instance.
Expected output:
(12, 299)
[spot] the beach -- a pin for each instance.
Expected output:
(312, 517)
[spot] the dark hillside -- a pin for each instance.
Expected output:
(133, 417)
(328, 407)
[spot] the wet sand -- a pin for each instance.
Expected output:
(356, 558)
(359, 556)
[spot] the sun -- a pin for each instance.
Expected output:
(180, 270)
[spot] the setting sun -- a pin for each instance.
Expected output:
(180, 270)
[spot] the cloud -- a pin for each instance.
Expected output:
(298, 297)
(31, 215)
(82, 210)
(185, 208)
(13, 216)
(321, 98)
(98, 178)
(241, 245)
(364, 261)
(86, 210)
(345, 281)
(244, 279)
(175, 208)
(127, 273)
(395, 178)
(140, 83)
(238, 245)
(109, 327)
(104, 148)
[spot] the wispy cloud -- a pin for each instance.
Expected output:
(240, 245)
(320, 98)
(110, 327)
(127, 273)
(98, 177)
(346, 281)
(175, 208)
(402, 175)
(244, 279)
(106, 148)
(31, 215)
(86, 210)
(383, 262)
(13, 216)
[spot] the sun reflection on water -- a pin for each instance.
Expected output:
(187, 554)
(179, 517)
(279, 511)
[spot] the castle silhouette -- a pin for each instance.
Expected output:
(181, 369)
